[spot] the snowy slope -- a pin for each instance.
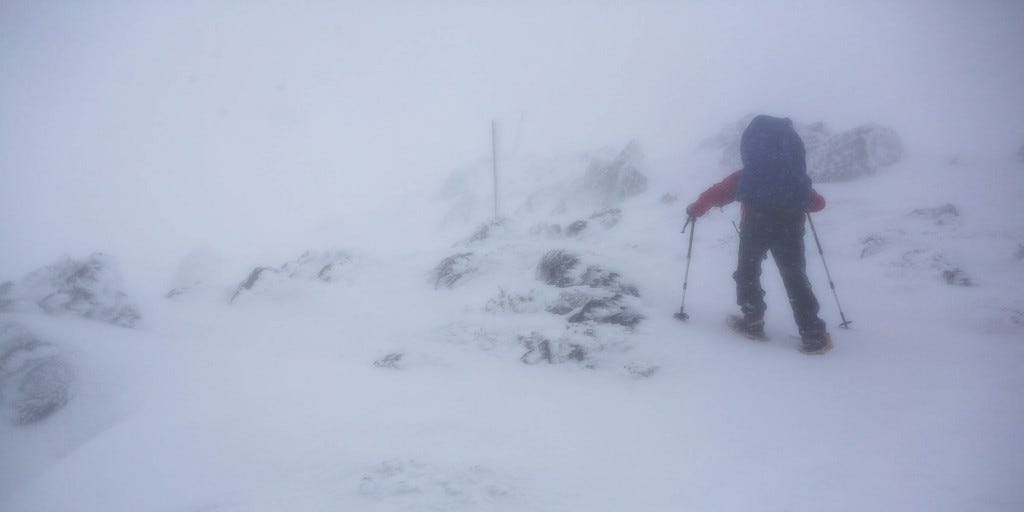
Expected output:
(300, 401)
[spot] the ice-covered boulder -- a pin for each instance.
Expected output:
(35, 380)
(943, 215)
(90, 288)
(323, 266)
(453, 269)
(613, 181)
(844, 156)
(562, 269)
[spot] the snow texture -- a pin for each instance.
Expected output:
(536, 371)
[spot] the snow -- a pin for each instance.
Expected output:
(321, 315)
(277, 401)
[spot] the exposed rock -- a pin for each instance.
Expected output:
(257, 275)
(568, 301)
(540, 349)
(611, 182)
(1020, 154)
(389, 361)
(849, 155)
(950, 272)
(1019, 255)
(90, 288)
(453, 269)
(941, 215)
(561, 269)
(576, 228)
(956, 277)
(487, 230)
(872, 245)
(35, 381)
(607, 218)
(556, 268)
(668, 199)
(859, 152)
(324, 266)
(607, 310)
(506, 302)
(640, 371)
(599, 277)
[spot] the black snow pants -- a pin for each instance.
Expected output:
(782, 233)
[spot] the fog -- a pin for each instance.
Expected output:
(148, 129)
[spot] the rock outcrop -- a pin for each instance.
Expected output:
(90, 288)
(844, 156)
(35, 380)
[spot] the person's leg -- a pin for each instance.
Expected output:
(753, 247)
(787, 246)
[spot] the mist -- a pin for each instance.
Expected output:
(145, 129)
(250, 256)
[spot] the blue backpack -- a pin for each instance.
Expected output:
(774, 174)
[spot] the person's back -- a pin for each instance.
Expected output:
(775, 191)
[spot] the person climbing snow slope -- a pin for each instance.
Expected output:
(775, 192)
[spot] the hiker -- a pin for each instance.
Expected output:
(775, 192)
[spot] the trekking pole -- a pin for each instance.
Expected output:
(682, 314)
(845, 323)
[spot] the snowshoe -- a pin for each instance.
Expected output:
(815, 345)
(748, 328)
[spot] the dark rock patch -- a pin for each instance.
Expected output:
(90, 288)
(556, 268)
(506, 302)
(567, 302)
(607, 310)
(576, 228)
(389, 361)
(540, 349)
(453, 269)
(872, 245)
(35, 381)
(254, 277)
(941, 215)
(956, 277)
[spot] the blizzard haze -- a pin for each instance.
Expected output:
(144, 128)
(250, 260)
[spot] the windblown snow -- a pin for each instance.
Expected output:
(533, 363)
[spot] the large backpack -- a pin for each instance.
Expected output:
(774, 171)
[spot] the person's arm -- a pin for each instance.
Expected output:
(718, 195)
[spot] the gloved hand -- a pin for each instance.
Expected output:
(697, 209)
(817, 203)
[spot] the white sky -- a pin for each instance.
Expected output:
(143, 129)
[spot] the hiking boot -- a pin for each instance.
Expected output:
(751, 326)
(816, 344)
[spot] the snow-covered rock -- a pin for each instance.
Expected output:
(322, 266)
(35, 380)
(530, 187)
(844, 156)
(90, 288)
(610, 182)
(562, 269)
(454, 269)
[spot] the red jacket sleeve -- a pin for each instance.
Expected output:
(721, 193)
